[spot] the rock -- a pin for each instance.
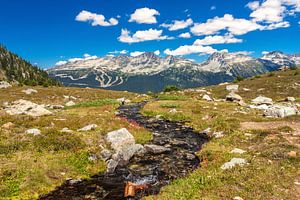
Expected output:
(69, 97)
(121, 100)
(232, 88)
(66, 130)
(70, 103)
(92, 157)
(120, 138)
(4, 85)
(242, 103)
(260, 107)
(74, 181)
(111, 166)
(262, 100)
(238, 198)
(217, 135)
(156, 149)
(233, 97)
(207, 98)
(21, 106)
(33, 131)
(7, 125)
(238, 151)
(29, 91)
(105, 154)
(190, 156)
(280, 111)
(89, 127)
(290, 99)
(292, 154)
(127, 152)
(246, 89)
(173, 110)
(233, 162)
(158, 117)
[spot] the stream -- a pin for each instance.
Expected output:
(154, 170)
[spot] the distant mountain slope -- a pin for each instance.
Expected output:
(14, 68)
(148, 72)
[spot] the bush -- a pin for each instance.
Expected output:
(293, 68)
(238, 79)
(271, 74)
(170, 88)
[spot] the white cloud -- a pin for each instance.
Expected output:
(140, 36)
(136, 53)
(213, 8)
(217, 39)
(157, 52)
(253, 5)
(118, 52)
(274, 11)
(144, 16)
(190, 49)
(185, 35)
(273, 26)
(178, 24)
(227, 22)
(62, 62)
(95, 19)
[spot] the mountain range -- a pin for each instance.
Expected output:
(149, 72)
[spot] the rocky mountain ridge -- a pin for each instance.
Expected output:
(149, 72)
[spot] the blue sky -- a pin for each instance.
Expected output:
(47, 31)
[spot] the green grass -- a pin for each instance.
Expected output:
(95, 103)
(171, 97)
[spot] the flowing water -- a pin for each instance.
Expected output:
(154, 170)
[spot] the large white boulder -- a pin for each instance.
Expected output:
(4, 85)
(232, 88)
(70, 103)
(33, 131)
(120, 138)
(25, 107)
(280, 111)
(89, 127)
(262, 100)
(207, 98)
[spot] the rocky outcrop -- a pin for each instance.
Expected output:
(233, 97)
(233, 162)
(207, 98)
(23, 107)
(280, 111)
(29, 91)
(232, 88)
(4, 85)
(262, 100)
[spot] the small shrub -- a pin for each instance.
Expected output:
(169, 106)
(170, 88)
(257, 76)
(285, 129)
(238, 79)
(271, 74)
(293, 68)
(296, 73)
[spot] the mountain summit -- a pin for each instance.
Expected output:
(149, 72)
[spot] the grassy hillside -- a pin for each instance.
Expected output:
(273, 171)
(14, 68)
(33, 165)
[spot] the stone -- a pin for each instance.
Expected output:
(190, 156)
(292, 154)
(66, 130)
(233, 162)
(217, 135)
(127, 152)
(233, 97)
(69, 97)
(4, 85)
(55, 107)
(29, 91)
(105, 154)
(242, 103)
(121, 100)
(260, 107)
(238, 151)
(74, 181)
(7, 125)
(21, 107)
(89, 127)
(290, 99)
(120, 138)
(207, 98)
(111, 166)
(33, 131)
(156, 149)
(238, 198)
(262, 100)
(232, 88)
(280, 111)
(70, 103)
(173, 110)
(246, 89)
